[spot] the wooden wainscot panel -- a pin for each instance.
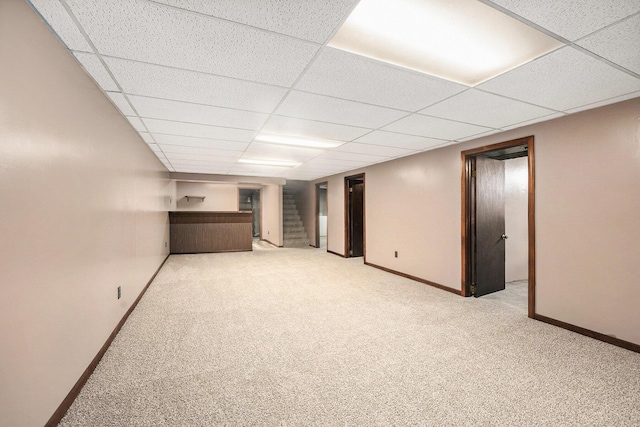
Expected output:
(197, 232)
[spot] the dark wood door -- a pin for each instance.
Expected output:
(356, 219)
(489, 226)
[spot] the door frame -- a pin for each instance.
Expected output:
(347, 219)
(317, 212)
(466, 157)
(259, 190)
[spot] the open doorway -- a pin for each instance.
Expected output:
(321, 215)
(354, 216)
(485, 199)
(249, 200)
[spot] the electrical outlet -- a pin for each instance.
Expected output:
(396, 254)
(119, 292)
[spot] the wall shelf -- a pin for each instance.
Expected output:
(198, 198)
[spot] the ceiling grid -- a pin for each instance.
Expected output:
(200, 80)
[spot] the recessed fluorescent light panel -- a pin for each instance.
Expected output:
(298, 141)
(464, 41)
(280, 163)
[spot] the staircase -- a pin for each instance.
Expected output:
(294, 234)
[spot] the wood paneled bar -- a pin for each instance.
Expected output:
(198, 232)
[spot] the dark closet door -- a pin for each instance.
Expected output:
(489, 226)
(356, 204)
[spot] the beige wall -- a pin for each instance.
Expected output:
(272, 214)
(587, 228)
(516, 211)
(218, 197)
(84, 206)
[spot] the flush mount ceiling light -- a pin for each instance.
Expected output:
(298, 141)
(464, 41)
(280, 163)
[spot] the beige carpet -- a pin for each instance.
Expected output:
(297, 337)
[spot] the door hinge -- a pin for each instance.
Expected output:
(351, 190)
(473, 289)
(473, 173)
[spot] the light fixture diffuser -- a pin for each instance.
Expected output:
(261, 162)
(298, 141)
(464, 41)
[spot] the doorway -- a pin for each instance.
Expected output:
(354, 216)
(483, 218)
(249, 200)
(321, 215)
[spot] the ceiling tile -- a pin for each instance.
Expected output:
(200, 162)
(94, 67)
(155, 148)
(200, 131)
(197, 113)
(121, 102)
(154, 33)
(433, 127)
(563, 80)
(214, 170)
(170, 83)
(281, 152)
(136, 123)
(146, 137)
(538, 120)
(313, 20)
(345, 75)
(485, 109)
(619, 43)
(478, 135)
(256, 170)
(199, 142)
(322, 108)
(400, 140)
(356, 157)
(59, 20)
(167, 149)
(571, 19)
(282, 125)
(336, 162)
(178, 157)
(377, 150)
(605, 102)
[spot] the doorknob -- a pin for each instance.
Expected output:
(504, 236)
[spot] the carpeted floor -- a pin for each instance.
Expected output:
(297, 337)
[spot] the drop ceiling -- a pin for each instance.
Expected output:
(199, 79)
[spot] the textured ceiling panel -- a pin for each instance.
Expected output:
(121, 103)
(322, 108)
(136, 123)
(170, 83)
(619, 43)
(345, 75)
(604, 102)
(377, 150)
(146, 137)
(562, 80)
(57, 17)
(538, 120)
(292, 126)
(281, 152)
(94, 67)
(313, 20)
(187, 141)
(196, 113)
(391, 139)
(356, 157)
(485, 109)
(571, 19)
(167, 149)
(433, 127)
(336, 162)
(199, 131)
(149, 32)
(255, 170)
